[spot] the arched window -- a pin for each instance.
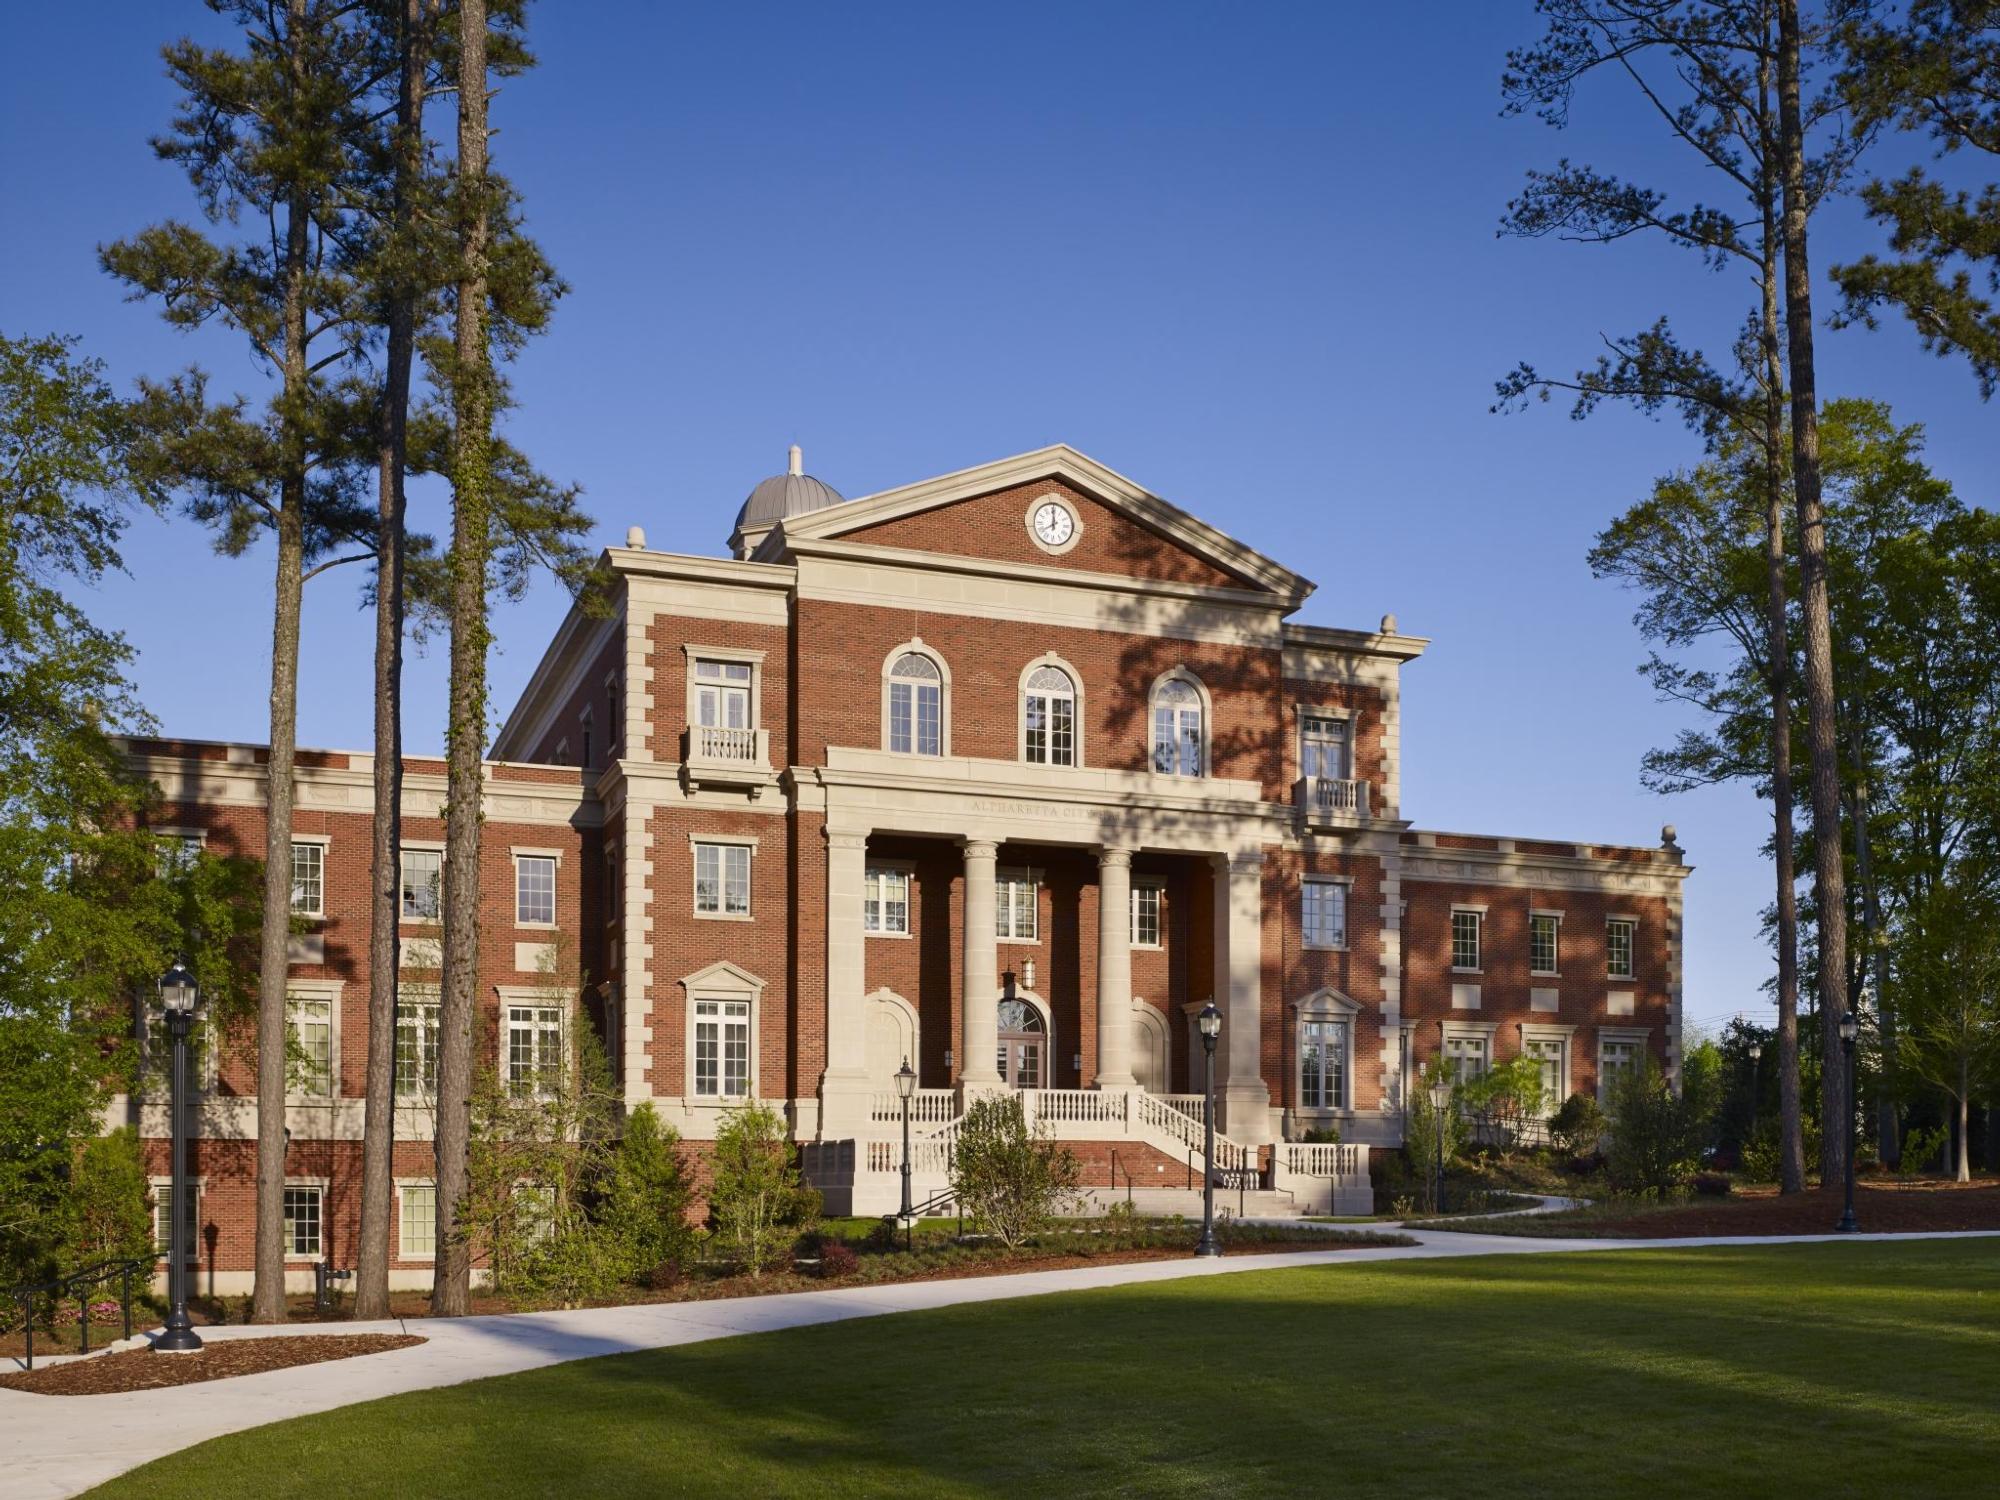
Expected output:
(1048, 717)
(916, 705)
(1177, 728)
(1024, 1045)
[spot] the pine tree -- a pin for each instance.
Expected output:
(272, 135)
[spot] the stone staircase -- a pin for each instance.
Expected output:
(1156, 1202)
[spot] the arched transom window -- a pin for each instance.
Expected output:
(1049, 718)
(916, 705)
(1177, 728)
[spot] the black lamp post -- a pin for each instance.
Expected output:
(906, 1088)
(177, 999)
(1756, 1078)
(1850, 1028)
(1440, 1091)
(1209, 1023)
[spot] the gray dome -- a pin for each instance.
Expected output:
(784, 496)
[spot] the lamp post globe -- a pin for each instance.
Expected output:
(178, 998)
(1209, 1024)
(1756, 1078)
(906, 1089)
(1850, 1032)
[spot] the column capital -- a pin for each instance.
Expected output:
(846, 838)
(980, 848)
(1113, 854)
(1238, 859)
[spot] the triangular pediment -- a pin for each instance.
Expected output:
(987, 511)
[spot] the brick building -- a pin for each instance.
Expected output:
(1008, 773)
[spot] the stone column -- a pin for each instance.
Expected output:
(1114, 968)
(844, 1087)
(979, 1028)
(1245, 1102)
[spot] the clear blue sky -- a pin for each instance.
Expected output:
(1245, 255)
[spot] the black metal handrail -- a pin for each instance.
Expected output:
(1117, 1166)
(25, 1294)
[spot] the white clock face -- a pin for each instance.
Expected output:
(1054, 525)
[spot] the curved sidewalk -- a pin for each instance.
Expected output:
(62, 1445)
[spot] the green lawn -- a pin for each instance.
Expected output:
(1859, 1369)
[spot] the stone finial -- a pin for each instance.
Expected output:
(797, 462)
(1669, 835)
(635, 538)
(1388, 624)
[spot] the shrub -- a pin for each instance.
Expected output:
(1712, 1184)
(109, 1204)
(665, 1276)
(1322, 1135)
(1657, 1135)
(1502, 1100)
(759, 1203)
(1012, 1180)
(1576, 1126)
(1923, 1149)
(646, 1194)
(884, 1234)
(582, 1262)
(1760, 1159)
(837, 1259)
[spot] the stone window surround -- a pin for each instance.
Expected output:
(429, 846)
(1033, 875)
(727, 982)
(1325, 1004)
(325, 1186)
(748, 841)
(329, 991)
(1618, 916)
(1544, 911)
(1641, 1035)
(692, 653)
(918, 645)
(1480, 910)
(542, 997)
(164, 1183)
(325, 842)
(1149, 883)
(1536, 1031)
(1449, 1031)
(1046, 659)
(1182, 674)
(407, 1256)
(1302, 711)
(515, 855)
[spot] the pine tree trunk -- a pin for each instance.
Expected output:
(267, 1300)
(378, 1141)
(1964, 1172)
(1822, 727)
(1888, 1128)
(1791, 1138)
(465, 740)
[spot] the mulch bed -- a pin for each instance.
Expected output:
(1880, 1210)
(143, 1370)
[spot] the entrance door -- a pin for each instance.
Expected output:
(1024, 1046)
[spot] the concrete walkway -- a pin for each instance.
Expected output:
(54, 1446)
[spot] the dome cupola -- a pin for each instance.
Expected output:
(780, 498)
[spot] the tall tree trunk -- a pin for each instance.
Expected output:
(1822, 728)
(472, 412)
(1888, 1125)
(378, 1142)
(1964, 1102)
(1791, 1136)
(267, 1300)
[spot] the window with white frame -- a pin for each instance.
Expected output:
(416, 1047)
(422, 884)
(916, 705)
(1619, 935)
(722, 693)
(308, 880)
(1467, 1054)
(1544, 942)
(885, 900)
(1323, 913)
(312, 1045)
(1552, 1052)
(534, 890)
(1014, 905)
(1049, 718)
(416, 1223)
(534, 1048)
(583, 734)
(1466, 933)
(1177, 728)
(1616, 1060)
(163, 1220)
(721, 1049)
(1323, 1070)
(302, 1220)
(1146, 913)
(1323, 747)
(177, 852)
(722, 880)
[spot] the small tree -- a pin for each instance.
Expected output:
(110, 1214)
(1657, 1135)
(1504, 1099)
(1429, 1136)
(646, 1195)
(1577, 1126)
(758, 1200)
(1011, 1178)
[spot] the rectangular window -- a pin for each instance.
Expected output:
(1146, 916)
(1615, 1060)
(423, 884)
(722, 879)
(583, 728)
(308, 880)
(178, 853)
(1324, 913)
(312, 1046)
(1544, 942)
(1014, 906)
(1466, 1056)
(1323, 747)
(722, 694)
(416, 1048)
(1555, 1076)
(163, 1220)
(721, 1049)
(302, 1220)
(534, 890)
(1323, 1064)
(1465, 935)
(1619, 933)
(534, 1048)
(416, 1230)
(885, 901)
